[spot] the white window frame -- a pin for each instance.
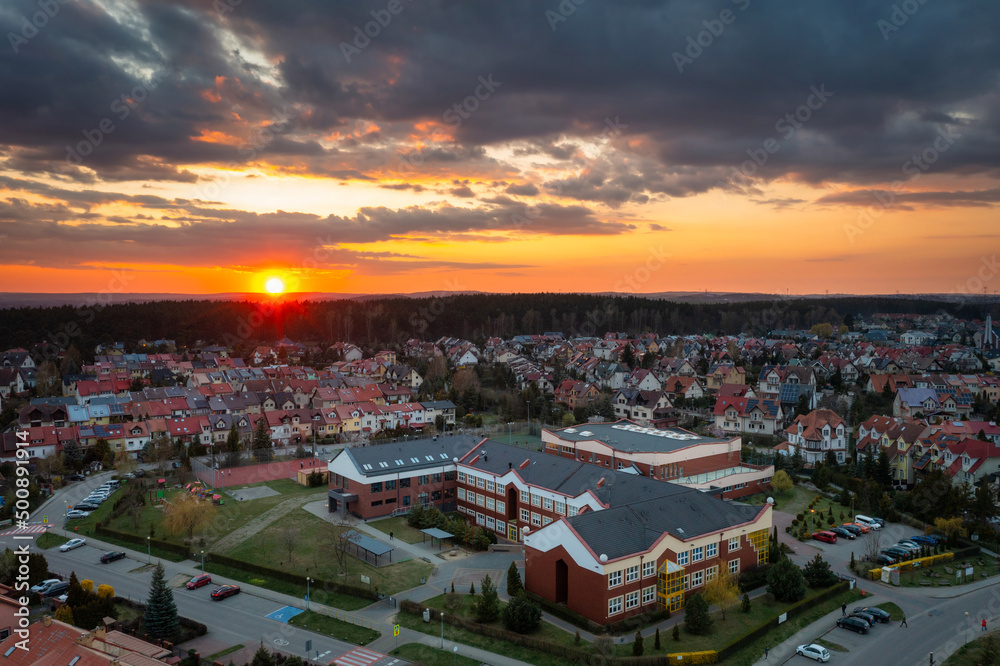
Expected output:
(632, 574)
(461, 493)
(536, 519)
(697, 578)
(734, 544)
(491, 504)
(547, 503)
(734, 566)
(614, 606)
(501, 506)
(682, 558)
(697, 554)
(525, 496)
(711, 550)
(614, 579)
(711, 573)
(648, 569)
(632, 600)
(525, 515)
(648, 595)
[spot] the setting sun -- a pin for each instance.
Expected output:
(274, 285)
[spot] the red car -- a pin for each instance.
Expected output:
(224, 591)
(828, 537)
(198, 581)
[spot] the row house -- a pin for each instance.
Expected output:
(772, 377)
(607, 544)
(404, 374)
(748, 415)
(816, 434)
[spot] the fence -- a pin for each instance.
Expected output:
(350, 619)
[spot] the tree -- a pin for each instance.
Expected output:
(105, 590)
(723, 591)
(984, 505)
(677, 632)
(65, 614)
(696, 618)
(288, 535)
(72, 455)
(187, 514)
(521, 614)
(343, 539)
(262, 657)
(87, 585)
(160, 617)
(99, 451)
(124, 462)
(817, 572)
(637, 648)
(785, 581)
(486, 605)
(75, 596)
(656, 640)
(514, 584)
(989, 652)
(262, 441)
(781, 482)
(48, 381)
(745, 605)
(233, 446)
(951, 527)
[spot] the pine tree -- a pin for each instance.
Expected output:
(453, 587)
(696, 618)
(160, 618)
(472, 588)
(262, 657)
(514, 585)
(745, 605)
(577, 639)
(486, 606)
(262, 441)
(637, 648)
(677, 632)
(233, 445)
(656, 640)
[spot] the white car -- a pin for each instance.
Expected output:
(45, 585)
(71, 544)
(813, 651)
(76, 513)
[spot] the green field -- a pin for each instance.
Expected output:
(325, 624)
(432, 656)
(399, 527)
(50, 540)
(974, 653)
(311, 555)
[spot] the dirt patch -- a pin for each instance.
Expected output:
(257, 492)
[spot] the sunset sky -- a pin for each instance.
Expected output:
(205, 146)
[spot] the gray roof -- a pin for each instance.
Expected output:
(625, 435)
(411, 455)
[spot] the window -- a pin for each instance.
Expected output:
(525, 497)
(734, 567)
(449, 476)
(480, 519)
(697, 578)
(614, 579)
(536, 500)
(502, 527)
(390, 500)
(711, 573)
(631, 600)
(481, 500)
(461, 493)
(712, 550)
(573, 511)
(491, 504)
(377, 487)
(648, 568)
(481, 483)
(614, 606)
(377, 503)
(490, 522)
(682, 558)
(422, 480)
(406, 500)
(561, 508)
(390, 485)
(547, 504)
(461, 477)
(525, 515)
(536, 519)
(501, 506)
(734, 544)
(697, 554)
(404, 483)
(490, 487)
(632, 574)
(449, 493)
(546, 520)
(648, 595)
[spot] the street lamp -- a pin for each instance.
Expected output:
(149, 556)
(454, 651)
(442, 630)
(966, 627)
(203, 561)
(510, 437)
(308, 580)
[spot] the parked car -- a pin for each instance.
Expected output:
(828, 537)
(59, 588)
(140, 473)
(923, 539)
(879, 614)
(885, 560)
(44, 585)
(866, 520)
(813, 651)
(867, 617)
(76, 477)
(86, 506)
(112, 555)
(865, 529)
(128, 475)
(843, 532)
(175, 464)
(198, 581)
(854, 624)
(907, 545)
(224, 591)
(72, 514)
(853, 529)
(71, 544)
(898, 553)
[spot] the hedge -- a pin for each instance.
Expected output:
(794, 610)
(876, 574)
(101, 530)
(279, 574)
(564, 613)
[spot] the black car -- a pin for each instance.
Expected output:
(76, 477)
(112, 555)
(898, 553)
(854, 624)
(879, 614)
(842, 532)
(86, 506)
(867, 617)
(57, 589)
(885, 560)
(853, 529)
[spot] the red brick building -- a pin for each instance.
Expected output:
(607, 543)
(670, 454)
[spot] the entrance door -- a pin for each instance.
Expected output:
(512, 532)
(562, 582)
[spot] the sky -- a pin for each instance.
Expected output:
(396, 146)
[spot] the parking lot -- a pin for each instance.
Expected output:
(839, 554)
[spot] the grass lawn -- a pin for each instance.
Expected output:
(324, 624)
(913, 577)
(124, 613)
(424, 654)
(794, 501)
(48, 540)
(400, 529)
(312, 556)
(972, 653)
(229, 650)
(327, 598)
(830, 645)
(892, 609)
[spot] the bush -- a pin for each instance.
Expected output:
(522, 615)
(486, 606)
(696, 618)
(817, 573)
(785, 581)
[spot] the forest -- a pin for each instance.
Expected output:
(389, 321)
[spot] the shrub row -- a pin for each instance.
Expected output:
(972, 551)
(794, 610)
(278, 574)
(101, 530)
(191, 628)
(564, 613)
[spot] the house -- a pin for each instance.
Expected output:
(910, 402)
(632, 403)
(817, 433)
(644, 380)
(724, 374)
(53, 642)
(735, 415)
(575, 394)
(689, 387)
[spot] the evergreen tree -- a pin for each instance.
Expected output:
(486, 606)
(656, 640)
(472, 588)
(76, 596)
(817, 573)
(521, 614)
(262, 441)
(160, 618)
(677, 632)
(72, 455)
(696, 618)
(637, 648)
(785, 581)
(514, 585)
(745, 604)
(233, 446)
(262, 657)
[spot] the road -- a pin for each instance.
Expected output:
(241, 619)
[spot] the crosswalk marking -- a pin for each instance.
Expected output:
(359, 657)
(33, 528)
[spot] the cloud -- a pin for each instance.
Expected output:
(908, 200)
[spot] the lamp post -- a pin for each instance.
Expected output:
(966, 627)
(454, 651)
(203, 561)
(149, 555)
(510, 437)
(442, 630)
(308, 580)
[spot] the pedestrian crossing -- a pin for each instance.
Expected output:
(359, 657)
(33, 528)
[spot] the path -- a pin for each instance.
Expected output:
(258, 524)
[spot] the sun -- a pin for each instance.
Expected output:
(274, 285)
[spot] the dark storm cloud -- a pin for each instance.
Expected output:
(908, 200)
(560, 85)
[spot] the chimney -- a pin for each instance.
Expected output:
(47, 621)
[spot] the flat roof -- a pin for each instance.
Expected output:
(625, 435)
(373, 546)
(436, 533)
